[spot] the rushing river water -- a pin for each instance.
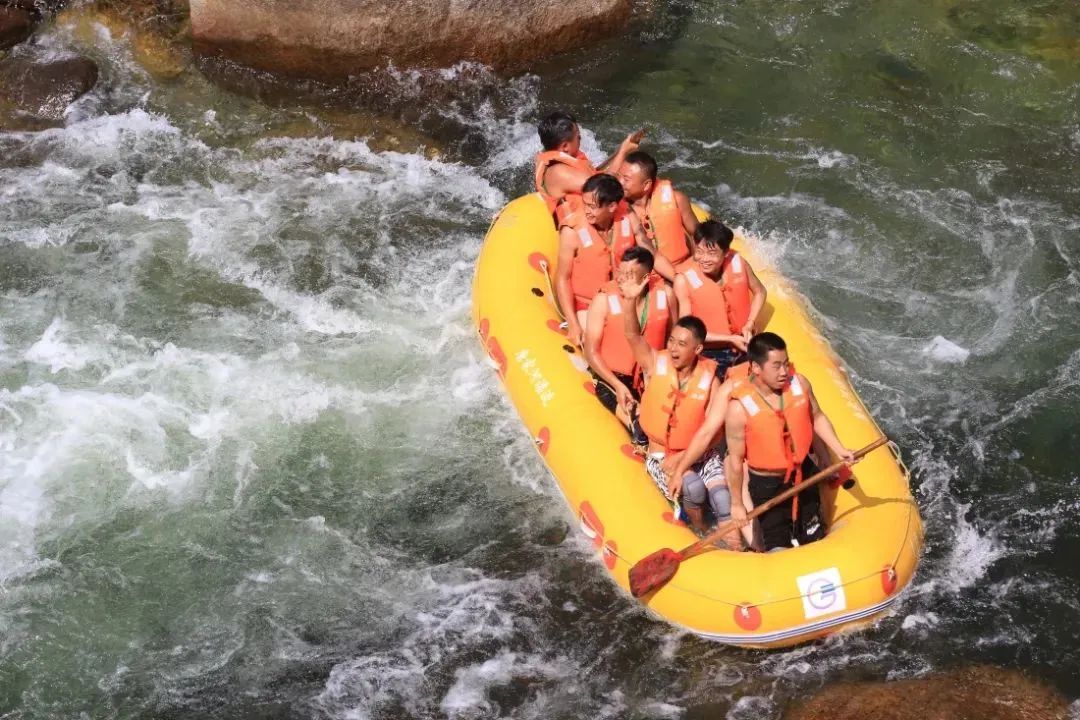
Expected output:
(252, 463)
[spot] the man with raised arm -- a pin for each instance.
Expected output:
(770, 425)
(561, 168)
(679, 387)
(610, 356)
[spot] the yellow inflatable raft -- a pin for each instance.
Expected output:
(748, 599)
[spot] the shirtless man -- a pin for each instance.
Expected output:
(666, 213)
(561, 168)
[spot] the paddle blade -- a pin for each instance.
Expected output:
(654, 571)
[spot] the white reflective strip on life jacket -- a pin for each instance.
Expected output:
(751, 407)
(736, 263)
(695, 280)
(665, 192)
(625, 226)
(661, 300)
(614, 306)
(661, 365)
(585, 237)
(705, 381)
(796, 386)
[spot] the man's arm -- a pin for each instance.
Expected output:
(561, 179)
(737, 341)
(629, 145)
(564, 293)
(661, 264)
(682, 294)
(705, 437)
(689, 219)
(735, 431)
(644, 355)
(594, 331)
(758, 296)
(824, 427)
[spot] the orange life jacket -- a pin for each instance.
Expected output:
(594, 260)
(669, 415)
(665, 220)
(736, 288)
(549, 157)
(623, 231)
(777, 440)
(614, 347)
(707, 301)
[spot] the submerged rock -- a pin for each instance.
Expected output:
(158, 55)
(316, 39)
(1044, 31)
(15, 26)
(154, 45)
(44, 89)
(974, 693)
(37, 7)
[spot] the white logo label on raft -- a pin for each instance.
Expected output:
(540, 384)
(822, 593)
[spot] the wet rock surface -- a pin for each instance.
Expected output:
(974, 693)
(16, 25)
(301, 38)
(40, 90)
(36, 7)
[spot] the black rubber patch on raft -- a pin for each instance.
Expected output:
(568, 348)
(538, 292)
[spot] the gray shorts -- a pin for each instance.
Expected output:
(704, 481)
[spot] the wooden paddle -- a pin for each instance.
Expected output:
(654, 571)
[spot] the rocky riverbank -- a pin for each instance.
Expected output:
(974, 693)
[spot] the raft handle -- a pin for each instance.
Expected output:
(899, 460)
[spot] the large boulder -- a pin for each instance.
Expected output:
(332, 39)
(15, 26)
(41, 90)
(974, 693)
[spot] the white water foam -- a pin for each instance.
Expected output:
(944, 350)
(210, 397)
(971, 553)
(467, 697)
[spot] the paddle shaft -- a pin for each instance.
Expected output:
(706, 543)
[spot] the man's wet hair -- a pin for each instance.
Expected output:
(607, 188)
(762, 344)
(640, 255)
(712, 233)
(555, 129)
(694, 325)
(644, 161)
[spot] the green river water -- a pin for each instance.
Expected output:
(252, 462)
